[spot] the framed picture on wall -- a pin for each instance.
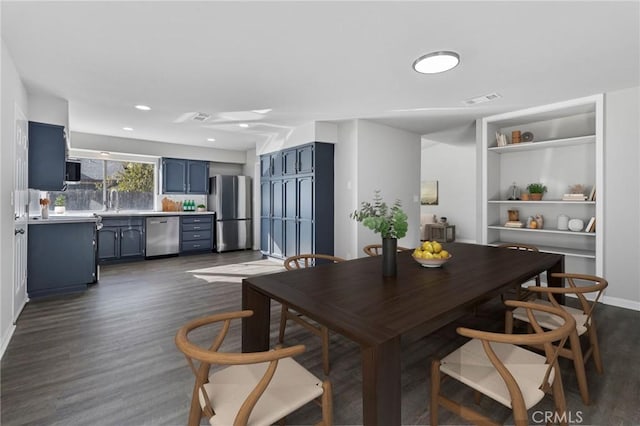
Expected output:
(429, 192)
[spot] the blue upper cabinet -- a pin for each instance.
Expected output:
(185, 176)
(174, 176)
(197, 177)
(47, 156)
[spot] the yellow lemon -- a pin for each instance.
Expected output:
(436, 247)
(417, 253)
(427, 255)
(426, 246)
(444, 254)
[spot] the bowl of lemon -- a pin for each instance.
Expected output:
(431, 254)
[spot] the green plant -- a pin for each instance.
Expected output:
(390, 222)
(59, 200)
(200, 206)
(536, 188)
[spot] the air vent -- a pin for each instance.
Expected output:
(482, 99)
(201, 116)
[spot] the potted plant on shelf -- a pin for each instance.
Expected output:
(201, 208)
(536, 190)
(59, 207)
(389, 222)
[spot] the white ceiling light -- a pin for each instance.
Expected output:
(211, 139)
(104, 153)
(435, 62)
(143, 107)
(243, 125)
(128, 129)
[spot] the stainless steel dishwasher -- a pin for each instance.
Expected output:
(163, 236)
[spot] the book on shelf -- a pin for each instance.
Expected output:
(592, 194)
(574, 197)
(513, 224)
(591, 226)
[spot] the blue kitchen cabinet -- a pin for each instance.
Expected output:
(296, 212)
(197, 233)
(174, 176)
(121, 239)
(181, 176)
(61, 258)
(197, 177)
(47, 156)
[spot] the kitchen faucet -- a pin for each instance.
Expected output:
(114, 199)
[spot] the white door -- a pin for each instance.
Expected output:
(21, 212)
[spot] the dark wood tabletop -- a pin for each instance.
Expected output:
(354, 299)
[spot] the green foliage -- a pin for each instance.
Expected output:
(135, 177)
(390, 222)
(536, 188)
(60, 199)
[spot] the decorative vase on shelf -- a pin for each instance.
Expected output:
(389, 251)
(44, 212)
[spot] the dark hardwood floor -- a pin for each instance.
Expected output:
(107, 356)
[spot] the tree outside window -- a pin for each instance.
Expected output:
(134, 182)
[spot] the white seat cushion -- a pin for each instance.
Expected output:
(291, 387)
(550, 321)
(470, 365)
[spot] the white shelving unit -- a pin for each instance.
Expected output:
(567, 149)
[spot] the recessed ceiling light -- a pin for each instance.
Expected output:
(435, 62)
(143, 107)
(261, 111)
(128, 129)
(104, 153)
(211, 139)
(243, 125)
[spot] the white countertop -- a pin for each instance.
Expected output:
(53, 219)
(72, 217)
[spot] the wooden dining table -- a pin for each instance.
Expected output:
(354, 299)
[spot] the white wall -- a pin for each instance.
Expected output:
(159, 149)
(13, 93)
(621, 197)
(316, 131)
(454, 167)
(48, 109)
(388, 160)
(345, 162)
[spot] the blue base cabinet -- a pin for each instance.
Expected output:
(296, 196)
(197, 233)
(121, 239)
(60, 258)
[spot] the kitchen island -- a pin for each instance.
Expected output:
(61, 255)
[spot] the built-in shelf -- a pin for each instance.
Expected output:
(540, 202)
(588, 254)
(541, 231)
(567, 149)
(551, 143)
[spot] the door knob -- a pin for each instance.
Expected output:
(18, 231)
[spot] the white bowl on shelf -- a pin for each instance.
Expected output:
(576, 225)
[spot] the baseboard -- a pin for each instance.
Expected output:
(621, 303)
(6, 338)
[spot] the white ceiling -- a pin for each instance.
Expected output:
(311, 61)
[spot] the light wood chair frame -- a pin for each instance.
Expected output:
(376, 249)
(522, 293)
(211, 356)
(574, 351)
(298, 262)
(538, 337)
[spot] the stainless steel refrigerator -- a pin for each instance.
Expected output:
(230, 197)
